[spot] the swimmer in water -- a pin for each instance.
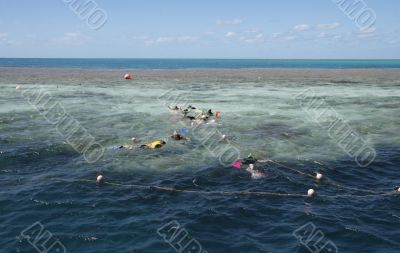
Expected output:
(254, 173)
(154, 145)
(128, 146)
(134, 145)
(176, 136)
(248, 165)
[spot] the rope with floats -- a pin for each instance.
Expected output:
(101, 181)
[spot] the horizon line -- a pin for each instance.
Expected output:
(196, 58)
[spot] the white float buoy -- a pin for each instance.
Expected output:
(251, 166)
(18, 87)
(99, 179)
(310, 192)
(318, 176)
(133, 139)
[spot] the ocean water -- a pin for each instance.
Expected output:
(193, 63)
(43, 179)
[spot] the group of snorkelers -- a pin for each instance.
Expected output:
(190, 112)
(197, 116)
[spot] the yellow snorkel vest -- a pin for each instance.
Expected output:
(154, 144)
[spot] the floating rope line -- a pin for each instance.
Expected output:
(226, 193)
(289, 168)
(170, 189)
(328, 181)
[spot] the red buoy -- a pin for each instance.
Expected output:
(128, 76)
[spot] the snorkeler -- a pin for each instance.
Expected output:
(249, 165)
(174, 108)
(242, 163)
(128, 146)
(154, 145)
(176, 136)
(254, 173)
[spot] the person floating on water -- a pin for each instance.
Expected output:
(134, 145)
(177, 136)
(128, 146)
(249, 165)
(154, 145)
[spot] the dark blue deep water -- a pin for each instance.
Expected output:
(43, 180)
(193, 63)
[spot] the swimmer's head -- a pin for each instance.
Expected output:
(133, 139)
(251, 166)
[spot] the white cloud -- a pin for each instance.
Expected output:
(235, 21)
(4, 39)
(164, 39)
(301, 28)
(368, 30)
(284, 36)
(168, 39)
(71, 38)
(323, 35)
(230, 34)
(329, 26)
(187, 38)
(366, 33)
(256, 38)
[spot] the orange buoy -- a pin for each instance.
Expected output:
(128, 76)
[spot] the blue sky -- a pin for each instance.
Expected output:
(198, 29)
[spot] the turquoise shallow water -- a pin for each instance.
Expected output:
(41, 175)
(194, 63)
